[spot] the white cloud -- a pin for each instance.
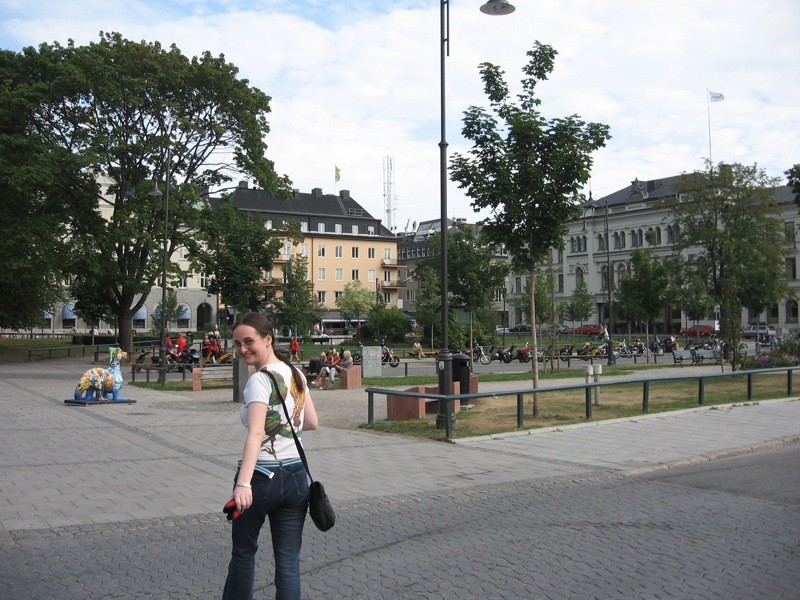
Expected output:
(353, 82)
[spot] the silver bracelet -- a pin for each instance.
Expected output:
(245, 485)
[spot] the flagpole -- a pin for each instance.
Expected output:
(708, 107)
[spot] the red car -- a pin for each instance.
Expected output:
(588, 330)
(697, 331)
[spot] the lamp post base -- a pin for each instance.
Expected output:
(444, 368)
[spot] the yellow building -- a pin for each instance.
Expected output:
(342, 243)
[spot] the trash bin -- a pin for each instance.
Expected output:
(461, 374)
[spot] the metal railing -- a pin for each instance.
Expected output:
(587, 387)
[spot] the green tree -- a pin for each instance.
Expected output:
(47, 192)
(355, 300)
(695, 301)
(526, 169)
(121, 109)
(298, 307)
(647, 290)
(392, 324)
(234, 250)
(793, 178)
(479, 274)
(729, 217)
(581, 303)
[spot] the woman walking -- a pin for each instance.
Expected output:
(271, 482)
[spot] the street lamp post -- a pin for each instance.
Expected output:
(609, 279)
(444, 362)
(162, 352)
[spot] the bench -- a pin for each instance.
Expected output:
(681, 356)
(407, 408)
(210, 373)
(703, 355)
(350, 378)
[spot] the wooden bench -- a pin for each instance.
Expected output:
(210, 373)
(681, 356)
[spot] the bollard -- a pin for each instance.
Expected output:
(597, 370)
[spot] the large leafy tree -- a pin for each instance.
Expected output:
(131, 114)
(234, 250)
(793, 177)
(45, 191)
(581, 304)
(525, 168)
(728, 216)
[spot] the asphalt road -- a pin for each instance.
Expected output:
(773, 476)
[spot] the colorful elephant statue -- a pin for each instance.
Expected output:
(103, 384)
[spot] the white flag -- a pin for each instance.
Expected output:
(716, 96)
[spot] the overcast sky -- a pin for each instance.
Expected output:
(355, 81)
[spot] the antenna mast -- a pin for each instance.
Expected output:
(389, 197)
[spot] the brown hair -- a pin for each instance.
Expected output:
(264, 326)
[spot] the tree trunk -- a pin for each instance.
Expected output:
(534, 345)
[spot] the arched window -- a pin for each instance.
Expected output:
(604, 278)
(658, 236)
(791, 311)
(578, 275)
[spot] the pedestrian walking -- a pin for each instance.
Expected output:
(271, 482)
(294, 346)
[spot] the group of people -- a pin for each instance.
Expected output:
(327, 366)
(210, 348)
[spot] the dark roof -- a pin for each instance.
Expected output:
(656, 189)
(314, 207)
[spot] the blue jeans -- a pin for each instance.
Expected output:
(284, 499)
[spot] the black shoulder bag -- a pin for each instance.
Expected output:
(319, 507)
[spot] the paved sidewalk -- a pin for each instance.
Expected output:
(174, 454)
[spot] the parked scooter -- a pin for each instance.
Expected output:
(142, 360)
(523, 354)
(389, 357)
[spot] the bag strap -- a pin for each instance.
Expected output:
(289, 420)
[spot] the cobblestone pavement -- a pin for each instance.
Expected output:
(124, 502)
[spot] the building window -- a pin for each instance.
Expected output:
(303, 225)
(791, 268)
(560, 283)
(338, 251)
(354, 229)
(304, 250)
(371, 275)
(371, 230)
(354, 252)
(791, 311)
(338, 295)
(604, 278)
(339, 274)
(321, 227)
(321, 297)
(387, 297)
(321, 251)
(287, 250)
(338, 228)
(371, 253)
(204, 280)
(321, 274)
(268, 224)
(578, 275)
(354, 275)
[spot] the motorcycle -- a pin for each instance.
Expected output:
(505, 354)
(638, 348)
(358, 355)
(479, 354)
(189, 358)
(142, 359)
(655, 346)
(389, 357)
(523, 354)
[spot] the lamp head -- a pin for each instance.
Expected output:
(497, 7)
(155, 192)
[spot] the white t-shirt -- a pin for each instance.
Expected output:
(278, 443)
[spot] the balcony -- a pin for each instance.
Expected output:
(389, 262)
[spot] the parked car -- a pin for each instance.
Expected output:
(754, 331)
(500, 329)
(697, 331)
(559, 329)
(520, 329)
(588, 329)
